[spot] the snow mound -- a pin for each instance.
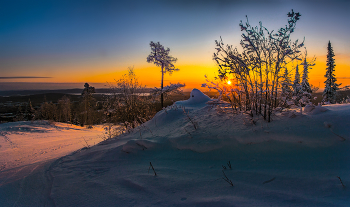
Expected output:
(309, 108)
(313, 110)
(197, 97)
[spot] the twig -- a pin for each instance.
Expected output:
(188, 133)
(269, 180)
(223, 166)
(194, 124)
(142, 146)
(342, 138)
(155, 174)
(226, 179)
(341, 181)
(143, 125)
(229, 165)
(87, 145)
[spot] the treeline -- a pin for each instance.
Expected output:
(128, 103)
(65, 110)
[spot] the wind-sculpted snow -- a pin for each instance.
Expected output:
(292, 161)
(196, 98)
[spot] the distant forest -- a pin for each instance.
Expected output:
(68, 105)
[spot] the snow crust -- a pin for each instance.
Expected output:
(292, 161)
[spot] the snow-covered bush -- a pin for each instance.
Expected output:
(227, 92)
(257, 70)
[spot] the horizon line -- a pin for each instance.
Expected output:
(22, 77)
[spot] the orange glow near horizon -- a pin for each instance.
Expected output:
(149, 75)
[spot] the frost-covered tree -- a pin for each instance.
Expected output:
(286, 86)
(297, 91)
(160, 57)
(305, 86)
(126, 105)
(257, 69)
(64, 110)
(170, 89)
(331, 87)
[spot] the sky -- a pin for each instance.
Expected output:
(70, 42)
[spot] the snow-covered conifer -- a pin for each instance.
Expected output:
(305, 86)
(331, 87)
(296, 83)
(286, 82)
(172, 88)
(286, 86)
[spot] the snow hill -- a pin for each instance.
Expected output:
(198, 151)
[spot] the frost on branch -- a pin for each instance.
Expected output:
(331, 87)
(172, 88)
(257, 69)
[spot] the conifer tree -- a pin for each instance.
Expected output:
(305, 86)
(31, 111)
(87, 103)
(286, 84)
(331, 87)
(160, 57)
(296, 83)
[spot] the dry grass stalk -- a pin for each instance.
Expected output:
(193, 123)
(150, 163)
(226, 179)
(341, 181)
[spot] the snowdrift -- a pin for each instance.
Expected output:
(296, 160)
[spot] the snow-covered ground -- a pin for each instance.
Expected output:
(25, 144)
(296, 160)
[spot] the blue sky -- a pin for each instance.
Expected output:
(78, 41)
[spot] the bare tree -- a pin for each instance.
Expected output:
(64, 110)
(128, 104)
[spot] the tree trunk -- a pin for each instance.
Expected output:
(161, 87)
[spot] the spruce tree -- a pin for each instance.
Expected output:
(296, 83)
(87, 104)
(286, 84)
(331, 87)
(305, 86)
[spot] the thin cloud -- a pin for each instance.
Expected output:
(343, 77)
(22, 77)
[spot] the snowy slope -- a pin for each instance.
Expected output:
(293, 161)
(25, 144)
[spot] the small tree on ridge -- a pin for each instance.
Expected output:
(330, 91)
(160, 57)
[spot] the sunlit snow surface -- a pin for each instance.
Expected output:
(292, 161)
(25, 144)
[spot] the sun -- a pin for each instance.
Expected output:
(229, 82)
